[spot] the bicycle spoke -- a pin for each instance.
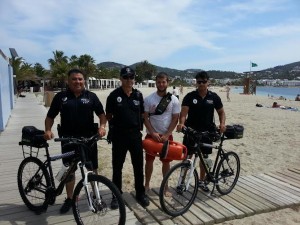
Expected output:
(102, 213)
(176, 182)
(228, 172)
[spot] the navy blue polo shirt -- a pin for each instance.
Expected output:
(201, 110)
(126, 110)
(77, 113)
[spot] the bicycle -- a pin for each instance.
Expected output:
(92, 194)
(182, 180)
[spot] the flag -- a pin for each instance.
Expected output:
(253, 64)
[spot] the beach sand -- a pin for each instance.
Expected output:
(270, 143)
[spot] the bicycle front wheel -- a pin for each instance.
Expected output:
(227, 173)
(178, 189)
(33, 180)
(102, 213)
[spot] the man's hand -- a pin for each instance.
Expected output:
(222, 128)
(179, 127)
(48, 135)
(101, 131)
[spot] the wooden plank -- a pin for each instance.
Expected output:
(284, 179)
(238, 213)
(295, 170)
(210, 201)
(176, 220)
(263, 192)
(246, 210)
(141, 213)
(155, 211)
(196, 209)
(280, 184)
(255, 197)
(279, 191)
(189, 216)
(244, 198)
(290, 174)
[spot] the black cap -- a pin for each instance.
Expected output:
(127, 71)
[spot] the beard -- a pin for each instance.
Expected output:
(162, 90)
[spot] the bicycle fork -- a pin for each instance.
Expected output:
(96, 192)
(184, 176)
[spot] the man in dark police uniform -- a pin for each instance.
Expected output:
(125, 111)
(197, 112)
(76, 107)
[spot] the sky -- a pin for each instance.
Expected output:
(180, 34)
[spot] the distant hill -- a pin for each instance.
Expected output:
(289, 71)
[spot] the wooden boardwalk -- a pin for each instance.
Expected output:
(252, 195)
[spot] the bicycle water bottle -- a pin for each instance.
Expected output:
(61, 173)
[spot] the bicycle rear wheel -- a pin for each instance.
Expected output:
(227, 173)
(177, 200)
(103, 213)
(33, 180)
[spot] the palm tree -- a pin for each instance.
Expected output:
(87, 64)
(16, 64)
(59, 66)
(73, 61)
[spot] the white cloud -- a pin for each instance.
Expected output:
(178, 33)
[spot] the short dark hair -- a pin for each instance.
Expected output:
(162, 75)
(202, 75)
(71, 71)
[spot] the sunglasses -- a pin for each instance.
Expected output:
(201, 81)
(128, 77)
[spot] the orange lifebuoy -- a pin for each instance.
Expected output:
(175, 150)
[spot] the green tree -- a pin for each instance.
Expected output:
(145, 71)
(59, 66)
(87, 64)
(26, 72)
(16, 65)
(39, 70)
(73, 61)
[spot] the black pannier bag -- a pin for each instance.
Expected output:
(235, 131)
(33, 137)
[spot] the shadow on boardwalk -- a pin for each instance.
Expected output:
(252, 195)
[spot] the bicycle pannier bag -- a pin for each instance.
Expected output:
(235, 131)
(31, 136)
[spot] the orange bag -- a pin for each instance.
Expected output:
(171, 150)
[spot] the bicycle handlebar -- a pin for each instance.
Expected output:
(199, 135)
(84, 140)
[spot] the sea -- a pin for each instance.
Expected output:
(286, 92)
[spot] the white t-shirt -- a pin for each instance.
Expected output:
(160, 123)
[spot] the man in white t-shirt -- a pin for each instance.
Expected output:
(159, 127)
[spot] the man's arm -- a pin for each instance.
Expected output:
(182, 117)
(102, 121)
(48, 125)
(152, 131)
(221, 114)
(171, 127)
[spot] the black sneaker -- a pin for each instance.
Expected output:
(114, 203)
(143, 200)
(66, 206)
(203, 186)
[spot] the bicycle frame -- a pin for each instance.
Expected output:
(198, 154)
(57, 191)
